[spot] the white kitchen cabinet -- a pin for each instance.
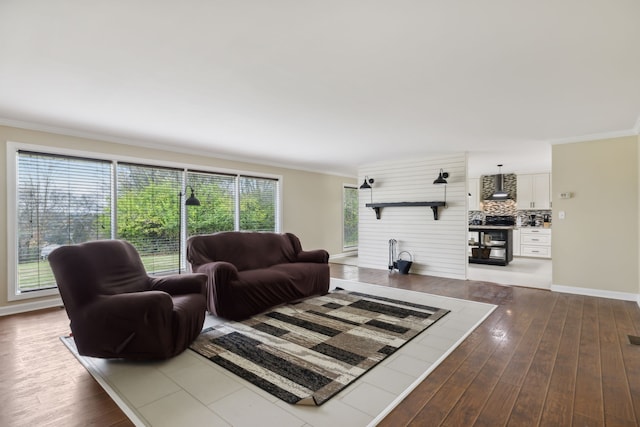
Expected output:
(474, 194)
(536, 251)
(533, 191)
(516, 242)
(535, 242)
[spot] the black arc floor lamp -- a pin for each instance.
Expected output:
(191, 201)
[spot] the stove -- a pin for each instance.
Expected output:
(501, 220)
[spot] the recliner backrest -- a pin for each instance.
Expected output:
(102, 267)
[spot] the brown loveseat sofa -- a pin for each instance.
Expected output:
(249, 272)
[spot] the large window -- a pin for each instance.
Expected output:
(64, 199)
(217, 195)
(148, 213)
(350, 217)
(60, 200)
(257, 203)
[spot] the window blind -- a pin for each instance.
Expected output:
(258, 203)
(217, 195)
(60, 200)
(148, 214)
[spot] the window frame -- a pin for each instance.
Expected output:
(12, 149)
(345, 248)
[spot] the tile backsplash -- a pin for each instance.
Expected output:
(509, 182)
(505, 207)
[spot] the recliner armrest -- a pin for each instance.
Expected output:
(318, 255)
(179, 284)
(147, 307)
(111, 324)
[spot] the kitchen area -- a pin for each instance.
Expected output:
(510, 229)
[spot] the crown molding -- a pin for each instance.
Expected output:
(596, 136)
(39, 127)
(635, 130)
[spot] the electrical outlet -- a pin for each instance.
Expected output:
(561, 215)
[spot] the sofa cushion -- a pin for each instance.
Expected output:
(260, 289)
(309, 278)
(245, 250)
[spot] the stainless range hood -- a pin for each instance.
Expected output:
(499, 193)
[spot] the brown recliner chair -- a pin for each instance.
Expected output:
(118, 311)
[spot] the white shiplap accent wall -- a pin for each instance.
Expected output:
(439, 248)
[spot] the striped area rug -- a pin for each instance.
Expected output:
(304, 353)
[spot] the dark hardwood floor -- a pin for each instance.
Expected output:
(541, 358)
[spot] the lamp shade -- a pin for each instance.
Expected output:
(192, 200)
(366, 183)
(441, 177)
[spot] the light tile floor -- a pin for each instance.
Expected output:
(190, 390)
(522, 271)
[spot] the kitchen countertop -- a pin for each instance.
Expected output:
(508, 227)
(492, 227)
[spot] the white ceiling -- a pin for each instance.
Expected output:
(327, 85)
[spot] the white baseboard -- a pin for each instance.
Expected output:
(625, 296)
(343, 254)
(30, 306)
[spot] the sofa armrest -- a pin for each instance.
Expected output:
(131, 306)
(318, 256)
(181, 284)
(219, 276)
(221, 271)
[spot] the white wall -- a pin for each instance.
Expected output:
(595, 247)
(438, 247)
